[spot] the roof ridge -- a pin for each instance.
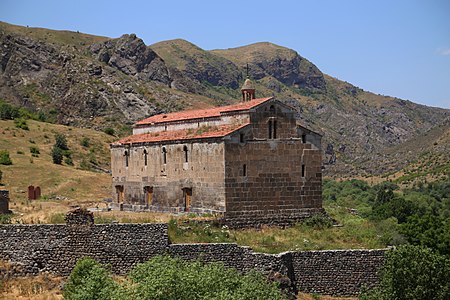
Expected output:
(182, 134)
(202, 113)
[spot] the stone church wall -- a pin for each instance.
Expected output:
(203, 174)
(56, 248)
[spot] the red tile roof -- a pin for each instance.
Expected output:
(202, 113)
(184, 134)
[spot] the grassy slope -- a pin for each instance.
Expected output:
(78, 186)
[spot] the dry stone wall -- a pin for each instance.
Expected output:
(56, 248)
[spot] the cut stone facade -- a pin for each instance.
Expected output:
(250, 162)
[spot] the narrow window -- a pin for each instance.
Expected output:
(303, 138)
(272, 109)
(145, 157)
(241, 138)
(244, 170)
(303, 170)
(185, 149)
(270, 129)
(274, 129)
(164, 152)
(126, 158)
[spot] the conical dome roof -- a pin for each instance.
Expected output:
(248, 85)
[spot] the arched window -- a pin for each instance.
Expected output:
(145, 157)
(272, 109)
(303, 138)
(164, 153)
(274, 129)
(269, 124)
(126, 154)
(185, 150)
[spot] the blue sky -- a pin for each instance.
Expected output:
(399, 48)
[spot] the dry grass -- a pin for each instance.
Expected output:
(62, 186)
(302, 296)
(41, 287)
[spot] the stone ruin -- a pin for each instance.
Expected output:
(4, 202)
(34, 193)
(79, 216)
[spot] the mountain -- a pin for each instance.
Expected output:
(98, 82)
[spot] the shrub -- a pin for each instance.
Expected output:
(5, 219)
(21, 123)
(68, 161)
(89, 280)
(61, 141)
(109, 131)
(169, 278)
(166, 278)
(57, 155)
(85, 142)
(7, 111)
(4, 158)
(318, 222)
(412, 273)
(34, 151)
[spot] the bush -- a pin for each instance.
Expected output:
(109, 131)
(7, 111)
(85, 142)
(34, 151)
(21, 123)
(169, 278)
(57, 155)
(5, 219)
(412, 273)
(318, 222)
(61, 141)
(166, 278)
(4, 158)
(89, 280)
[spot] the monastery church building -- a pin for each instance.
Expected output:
(250, 162)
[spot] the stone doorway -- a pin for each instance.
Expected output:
(148, 195)
(120, 193)
(187, 196)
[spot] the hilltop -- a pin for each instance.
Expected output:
(98, 82)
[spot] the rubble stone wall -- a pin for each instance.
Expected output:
(31, 249)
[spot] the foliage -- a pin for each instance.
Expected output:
(7, 111)
(21, 123)
(4, 158)
(168, 278)
(34, 151)
(318, 222)
(5, 218)
(89, 280)
(1, 176)
(412, 273)
(85, 142)
(109, 131)
(430, 231)
(57, 155)
(61, 141)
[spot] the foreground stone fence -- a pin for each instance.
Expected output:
(56, 248)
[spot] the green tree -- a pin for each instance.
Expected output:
(90, 281)
(57, 155)
(430, 231)
(61, 141)
(4, 158)
(412, 273)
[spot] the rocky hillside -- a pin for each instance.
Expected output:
(89, 81)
